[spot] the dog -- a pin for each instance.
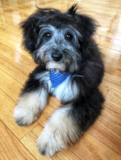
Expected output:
(70, 68)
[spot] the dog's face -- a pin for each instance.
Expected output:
(58, 48)
(56, 39)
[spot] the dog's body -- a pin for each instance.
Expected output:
(61, 42)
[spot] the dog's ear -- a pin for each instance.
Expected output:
(29, 29)
(86, 25)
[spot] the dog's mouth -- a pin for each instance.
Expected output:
(56, 67)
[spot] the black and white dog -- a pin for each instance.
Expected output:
(70, 68)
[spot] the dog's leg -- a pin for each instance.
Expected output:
(32, 100)
(68, 123)
(29, 106)
(60, 132)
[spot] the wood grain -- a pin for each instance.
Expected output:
(17, 57)
(112, 79)
(104, 88)
(112, 85)
(117, 73)
(108, 133)
(12, 69)
(11, 35)
(110, 64)
(10, 86)
(114, 97)
(112, 113)
(11, 147)
(46, 114)
(90, 148)
(6, 115)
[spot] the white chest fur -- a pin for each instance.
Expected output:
(64, 92)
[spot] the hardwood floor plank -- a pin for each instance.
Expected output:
(7, 98)
(112, 113)
(111, 40)
(10, 35)
(113, 79)
(112, 85)
(104, 89)
(113, 44)
(102, 5)
(119, 64)
(108, 133)
(15, 56)
(10, 28)
(114, 97)
(46, 114)
(6, 115)
(16, 14)
(53, 101)
(109, 35)
(11, 148)
(110, 64)
(10, 86)
(12, 2)
(12, 69)
(13, 45)
(6, 19)
(110, 52)
(89, 148)
(26, 11)
(117, 73)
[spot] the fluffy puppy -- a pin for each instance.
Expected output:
(70, 68)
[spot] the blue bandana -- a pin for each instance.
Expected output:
(57, 78)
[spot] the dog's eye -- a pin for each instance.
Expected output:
(68, 36)
(48, 35)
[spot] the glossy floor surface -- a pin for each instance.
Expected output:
(103, 139)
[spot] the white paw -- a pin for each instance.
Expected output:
(50, 141)
(24, 116)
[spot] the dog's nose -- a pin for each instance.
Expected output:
(56, 57)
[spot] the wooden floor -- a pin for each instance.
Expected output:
(103, 139)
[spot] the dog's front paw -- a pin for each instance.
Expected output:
(49, 142)
(24, 116)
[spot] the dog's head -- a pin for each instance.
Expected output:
(57, 39)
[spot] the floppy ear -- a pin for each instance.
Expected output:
(30, 28)
(30, 31)
(87, 28)
(86, 25)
